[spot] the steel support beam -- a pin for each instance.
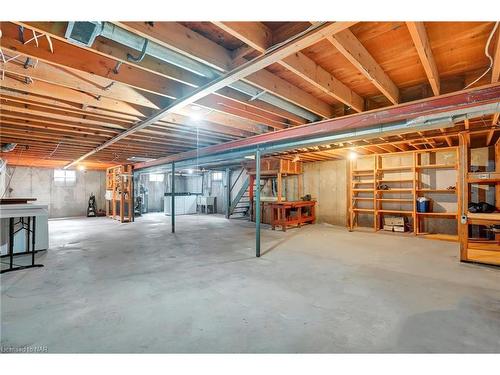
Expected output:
(456, 103)
(172, 189)
(257, 202)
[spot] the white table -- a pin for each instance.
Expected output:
(31, 220)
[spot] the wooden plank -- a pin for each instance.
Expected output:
(68, 55)
(349, 46)
(111, 49)
(243, 71)
(259, 37)
(495, 72)
(173, 36)
(421, 42)
(254, 34)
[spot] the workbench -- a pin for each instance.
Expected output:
(292, 213)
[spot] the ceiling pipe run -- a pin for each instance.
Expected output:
(117, 34)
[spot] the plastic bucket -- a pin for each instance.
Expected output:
(423, 205)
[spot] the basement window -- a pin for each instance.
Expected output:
(156, 177)
(216, 176)
(64, 177)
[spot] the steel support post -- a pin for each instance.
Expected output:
(257, 202)
(172, 205)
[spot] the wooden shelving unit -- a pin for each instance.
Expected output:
(119, 193)
(480, 250)
(401, 191)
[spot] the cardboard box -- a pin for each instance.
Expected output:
(395, 228)
(394, 220)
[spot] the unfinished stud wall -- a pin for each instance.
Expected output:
(63, 201)
(326, 182)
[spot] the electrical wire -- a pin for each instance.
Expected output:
(487, 53)
(14, 171)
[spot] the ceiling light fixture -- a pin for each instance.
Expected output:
(353, 155)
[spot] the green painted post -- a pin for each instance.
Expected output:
(257, 202)
(172, 206)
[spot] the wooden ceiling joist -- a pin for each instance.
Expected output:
(261, 78)
(259, 37)
(495, 72)
(284, 50)
(349, 46)
(421, 41)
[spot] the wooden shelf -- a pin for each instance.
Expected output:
(401, 181)
(483, 177)
(395, 191)
(437, 166)
(396, 212)
(483, 219)
(438, 214)
(485, 245)
(361, 190)
(405, 189)
(362, 182)
(395, 168)
(362, 198)
(437, 191)
(363, 171)
(395, 200)
(363, 209)
(473, 249)
(440, 236)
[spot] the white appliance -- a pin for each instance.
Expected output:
(184, 204)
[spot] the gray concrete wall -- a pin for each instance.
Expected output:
(3, 178)
(326, 182)
(63, 201)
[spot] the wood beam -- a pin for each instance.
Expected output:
(421, 42)
(259, 37)
(262, 78)
(254, 34)
(349, 46)
(69, 55)
(298, 43)
(495, 72)
(110, 49)
(467, 99)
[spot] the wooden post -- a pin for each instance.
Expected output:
(462, 195)
(497, 170)
(280, 186)
(416, 182)
(376, 218)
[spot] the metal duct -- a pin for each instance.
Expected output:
(136, 42)
(8, 147)
(422, 123)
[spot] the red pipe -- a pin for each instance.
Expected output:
(464, 99)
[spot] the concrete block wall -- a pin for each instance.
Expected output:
(63, 201)
(326, 182)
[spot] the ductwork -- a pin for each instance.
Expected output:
(136, 42)
(8, 147)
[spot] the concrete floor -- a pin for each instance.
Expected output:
(110, 287)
